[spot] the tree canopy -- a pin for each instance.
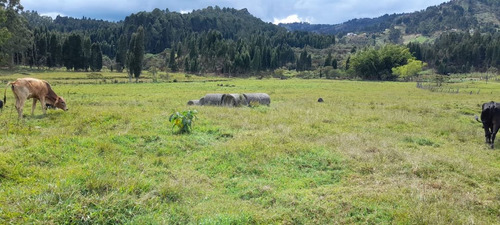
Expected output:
(377, 64)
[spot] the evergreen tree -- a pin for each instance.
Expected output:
(171, 62)
(73, 53)
(328, 60)
(121, 53)
(135, 55)
(66, 55)
(257, 59)
(96, 57)
(15, 36)
(40, 49)
(304, 61)
(187, 68)
(86, 53)
(54, 58)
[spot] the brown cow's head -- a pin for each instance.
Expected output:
(60, 103)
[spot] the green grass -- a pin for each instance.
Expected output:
(372, 153)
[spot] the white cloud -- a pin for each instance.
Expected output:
(52, 14)
(291, 19)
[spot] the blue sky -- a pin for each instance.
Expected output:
(312, 11)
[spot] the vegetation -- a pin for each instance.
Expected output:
(460, 52)
(452, 15)
(183, 121)
(373, 64)
(233, 43)
(135, 54)
(376, 153)
(371, 153)
(212, 40)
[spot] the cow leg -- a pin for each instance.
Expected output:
(19, 107)
(494, 134)
(33, 107)
(44, 105)
(487, 134)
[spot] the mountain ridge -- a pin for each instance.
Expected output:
(455, 14)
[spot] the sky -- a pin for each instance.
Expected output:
(275, 11)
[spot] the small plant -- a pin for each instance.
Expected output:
(183, 121)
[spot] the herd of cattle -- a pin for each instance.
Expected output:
(40, 90)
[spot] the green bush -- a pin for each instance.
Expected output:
(183, 121)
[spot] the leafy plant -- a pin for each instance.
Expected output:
(183, 121)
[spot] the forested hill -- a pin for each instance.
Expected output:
(456, 14)
(214, 39)
(162, 27)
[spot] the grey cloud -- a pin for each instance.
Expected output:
(317, 11)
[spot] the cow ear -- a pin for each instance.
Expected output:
(57, 100)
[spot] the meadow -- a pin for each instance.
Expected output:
(372, 153)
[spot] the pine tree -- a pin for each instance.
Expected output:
(73, 53)
(86, 53)
(135, 54)
(96, 57)
(328, 60)
(54, 52)
(171, 62)
(303, 62)
(66, 55)
(121, 53)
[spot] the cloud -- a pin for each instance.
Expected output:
(313, 11)
(52, 14)
(290, 19)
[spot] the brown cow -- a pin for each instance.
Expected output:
(26, 88)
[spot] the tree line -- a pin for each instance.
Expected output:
(212, 40)
(223, 41)
(460, 52)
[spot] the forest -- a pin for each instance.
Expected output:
(212, 40)
(231, 42)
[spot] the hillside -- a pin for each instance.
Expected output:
(456, 14)
(210, 40)
(231, 42)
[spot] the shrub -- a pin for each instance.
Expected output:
(183, 121)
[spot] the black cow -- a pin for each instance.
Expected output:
(490, 117)
(1, 103)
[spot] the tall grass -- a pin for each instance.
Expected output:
(371, 153)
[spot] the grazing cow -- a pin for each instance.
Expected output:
(490, 117)
(26, 88)
(2, 103)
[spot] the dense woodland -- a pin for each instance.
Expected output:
(460, 52)
(232, 42)
(212, 40)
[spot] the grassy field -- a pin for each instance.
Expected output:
(372, 153)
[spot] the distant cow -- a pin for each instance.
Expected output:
(1, 104)
(26, 88)
(490, 117)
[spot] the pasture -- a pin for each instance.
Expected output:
(372, 153)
